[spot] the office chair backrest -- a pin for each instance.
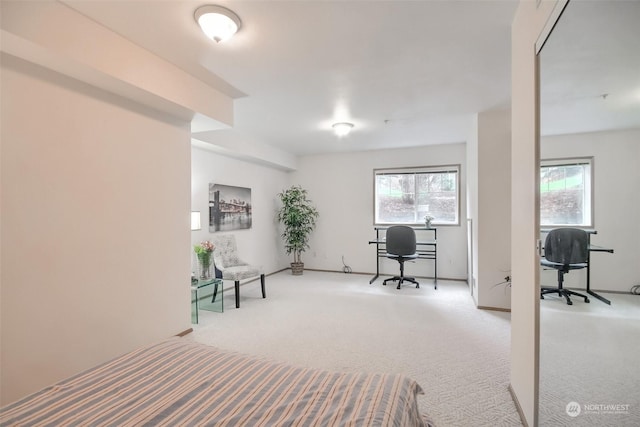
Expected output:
(401, 240)
(567, 246)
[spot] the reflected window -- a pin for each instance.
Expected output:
(565, 192)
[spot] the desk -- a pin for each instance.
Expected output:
(200, 298)
(427, 249)
(592, 248)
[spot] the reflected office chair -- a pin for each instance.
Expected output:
(228, 266)
(401, 245)
(565, 249)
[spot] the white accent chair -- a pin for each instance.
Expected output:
(228, 266)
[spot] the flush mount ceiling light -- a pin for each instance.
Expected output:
(342, 129)
(217, 22)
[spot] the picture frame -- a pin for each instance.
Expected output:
(229, 208)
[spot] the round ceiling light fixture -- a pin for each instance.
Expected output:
(342, 129)
(217, 22)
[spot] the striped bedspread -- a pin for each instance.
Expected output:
(182, 383)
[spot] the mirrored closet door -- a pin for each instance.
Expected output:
(590, 115)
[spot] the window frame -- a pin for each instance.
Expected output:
(589, 192)
(450, 168)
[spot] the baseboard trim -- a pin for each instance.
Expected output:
(360, 273)
(185, 332)
(365, 273)
(506, 310)
(518, 407)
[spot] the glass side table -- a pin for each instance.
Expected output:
(206, 294)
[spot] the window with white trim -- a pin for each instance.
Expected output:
(407, 195)
(566, 192)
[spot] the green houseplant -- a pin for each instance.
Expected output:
(298, 215)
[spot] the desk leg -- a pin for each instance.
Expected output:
(373, 279)
(435, 271)
(589, 291)
(601, 298)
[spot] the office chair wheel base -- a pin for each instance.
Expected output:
(391, 279)
(569, 302)
(587, 300)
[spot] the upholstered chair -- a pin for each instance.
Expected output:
(229, 266)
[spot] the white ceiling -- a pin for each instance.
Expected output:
(590, 69)
(406, 73)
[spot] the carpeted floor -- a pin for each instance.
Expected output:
(457, 353)
(589, 354)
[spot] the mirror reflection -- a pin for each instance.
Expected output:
(590, 174)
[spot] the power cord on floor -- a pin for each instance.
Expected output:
(346, 268)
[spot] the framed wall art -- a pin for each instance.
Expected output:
(229, 208)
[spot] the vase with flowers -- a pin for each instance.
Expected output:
(204, 252)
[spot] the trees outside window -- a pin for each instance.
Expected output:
(406, 196)
(565, 192)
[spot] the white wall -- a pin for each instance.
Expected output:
(489, 206)
(494, 208)
(261, 244)
(95, 214)
(341, 186)
(617, 205)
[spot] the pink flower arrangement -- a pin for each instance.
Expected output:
(204, 246)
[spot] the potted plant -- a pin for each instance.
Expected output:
(299, 218)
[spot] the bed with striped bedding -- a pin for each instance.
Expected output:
(178, 382)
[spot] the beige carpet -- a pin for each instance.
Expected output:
(590, 355)
(457, 353)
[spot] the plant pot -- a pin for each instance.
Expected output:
(297, 268)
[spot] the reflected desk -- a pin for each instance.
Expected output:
(592, 248)
(427, 249)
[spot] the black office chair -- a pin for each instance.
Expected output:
(401, 246)
(565, 249)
